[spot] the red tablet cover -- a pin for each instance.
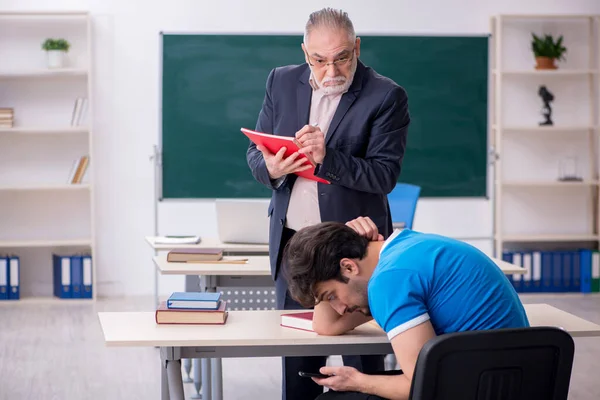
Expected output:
(273, 143)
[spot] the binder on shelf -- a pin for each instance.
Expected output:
(14, 274)
(76, 276)
(87, 277)
(4, 280)
(595, 271)
(552, 271)
(61, 268)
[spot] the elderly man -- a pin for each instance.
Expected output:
(353, 123)
(414, 285)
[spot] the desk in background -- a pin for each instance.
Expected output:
(209, 242)
(259, 334)
(202, 279)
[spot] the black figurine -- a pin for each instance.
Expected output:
(547, 97)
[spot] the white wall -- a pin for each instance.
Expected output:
(126, 120)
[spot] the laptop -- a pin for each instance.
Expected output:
(243, 220)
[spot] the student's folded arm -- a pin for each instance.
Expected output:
(379, 169)
(254, 157)
(327, 322)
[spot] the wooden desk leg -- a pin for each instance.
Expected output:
(172, 386)
(217, 376)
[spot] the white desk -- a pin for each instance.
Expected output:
(258, 334)
(259, 265)
(209, 242)
(256, 265)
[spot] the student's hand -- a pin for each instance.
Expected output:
(279, 166)
(313, 143)
(365, 227)
(344, 379)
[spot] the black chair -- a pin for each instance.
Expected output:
(505, 364)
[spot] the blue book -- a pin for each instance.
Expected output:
(195, 300)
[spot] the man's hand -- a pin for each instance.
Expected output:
(313, 143)
(279, 166)
(365, 227)
(344, 379)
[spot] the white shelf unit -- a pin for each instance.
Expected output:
(41, 213)
(531, 205)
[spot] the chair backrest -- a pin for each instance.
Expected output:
(504, 364)
(403, 203)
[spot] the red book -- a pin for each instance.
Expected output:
(273, 143)
(302, 321)
(165, 315)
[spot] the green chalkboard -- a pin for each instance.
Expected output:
(214, 84)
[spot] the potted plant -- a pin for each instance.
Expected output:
(546, 51)
(56, 50)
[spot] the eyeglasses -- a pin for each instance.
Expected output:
(322, 64)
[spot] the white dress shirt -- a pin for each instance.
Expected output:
(303, 209)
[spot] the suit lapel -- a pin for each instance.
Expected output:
(303, 95)
(346, 101)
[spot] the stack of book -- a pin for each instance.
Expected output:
(6, 117)
(198, 308)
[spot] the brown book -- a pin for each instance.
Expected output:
(165, 315)
(191, 254)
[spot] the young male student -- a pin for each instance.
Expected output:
(415, 285)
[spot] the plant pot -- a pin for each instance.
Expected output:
(544, 63)
(56, 58)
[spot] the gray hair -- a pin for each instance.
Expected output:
(330, 18)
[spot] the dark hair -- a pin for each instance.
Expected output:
(313, 255)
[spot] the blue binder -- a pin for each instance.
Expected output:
(4, 278)
(87, 277)
(61, 268)
(76, 277)
(14, 275)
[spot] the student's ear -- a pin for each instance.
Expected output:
(348, 267)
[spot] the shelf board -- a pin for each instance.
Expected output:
(42, 73)
(23, 130)
(45, 243)
(66, 186)
(550, 238)
(553, 128)
(549, 183)
(43, 300)
(41, 13)
(545, 17)
(552, 72)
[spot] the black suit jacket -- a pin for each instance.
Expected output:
(365, 144)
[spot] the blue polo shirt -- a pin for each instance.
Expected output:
(423, 276)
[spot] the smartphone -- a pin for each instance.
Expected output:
(312, 375)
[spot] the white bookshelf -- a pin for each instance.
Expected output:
(41, 213)
(531, 205)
